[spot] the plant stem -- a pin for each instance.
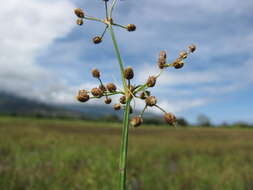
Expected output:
(118, 57)
(124, 147)
(124, 141)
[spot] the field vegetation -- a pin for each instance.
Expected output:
(41, 154)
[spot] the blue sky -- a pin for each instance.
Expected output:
(45, 55)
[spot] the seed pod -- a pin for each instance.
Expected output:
(111, 87)
(151, 101)
(170, 118)
(151, 81)
(144, 95)
(162, 54)
(178, 64)
(131, 27)
(117, 107)
(97, 40)
(122, 100)
(102, 87)
(136, 121)
(79, 12)
(161, 62)
(79, 21)
(97, 92)
(192, 48)
(183, 54)
(108, 100)
(129, 73)
(83, 96)
(95, 73)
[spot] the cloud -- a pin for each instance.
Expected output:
(42, 54)
(26, 29)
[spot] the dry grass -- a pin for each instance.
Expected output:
(58, 155)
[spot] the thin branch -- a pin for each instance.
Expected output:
(160, 108)
(112, 7)
(119, 25)
(104, 32)
(106, 10)
(94, 19)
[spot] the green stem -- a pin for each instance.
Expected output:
(124, 147)
(112, 7)
(141, 88)
(124, 141)
(116, 47)
(94, 19)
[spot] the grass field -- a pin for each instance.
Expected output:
(76, 155)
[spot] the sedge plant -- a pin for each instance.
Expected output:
(129, 92)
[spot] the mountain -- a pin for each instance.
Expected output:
(16, 105)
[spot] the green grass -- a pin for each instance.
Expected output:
(73, 155)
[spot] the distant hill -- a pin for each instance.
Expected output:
(15, 105)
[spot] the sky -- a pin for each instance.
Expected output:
(44, 55)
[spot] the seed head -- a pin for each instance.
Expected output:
(162, 54)
(161, 62)
(95, 73)
(117, 107)
(183, 55)
(151, 101)
(170, 118)
(131, 27)
(136, 121)
(151, 81)
(122, 100)
(129, 73)
(144, 95)
(79, 21)
(83, 96)
(108, 100)
(192, 48)
(102, 87)
(178, 64)
(97, 40)
(79, 12)
(111, 87)
(97, 92)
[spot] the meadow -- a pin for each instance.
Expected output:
(40, 154)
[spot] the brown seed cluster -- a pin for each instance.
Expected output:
(170, 118)
(95, 73)
(136, 121)
(97, 39)
(108, 21)
(79, 13)
(162, 59)
(111, 87)
(130, 91)
(151, 81)
(129, 73)
(131, 27)
(83, 96)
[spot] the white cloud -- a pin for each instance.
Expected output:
(27, 28)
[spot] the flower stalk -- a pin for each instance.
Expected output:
(129, 92)
(124, 141)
